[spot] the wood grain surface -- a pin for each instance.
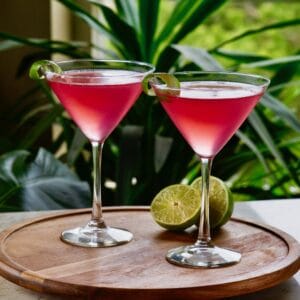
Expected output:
(33, 256)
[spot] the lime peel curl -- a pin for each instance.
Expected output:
(40, 67)
(169, 79)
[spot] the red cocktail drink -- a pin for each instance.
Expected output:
(97, 100)
(97, 94)
(207, 108)
(208, 114)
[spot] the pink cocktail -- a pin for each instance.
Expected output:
(208, 114)
(97, 100)
(97, 94)
(207, 108)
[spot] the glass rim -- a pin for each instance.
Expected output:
(149, 68)
(261, 81)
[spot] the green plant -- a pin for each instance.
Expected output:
(146, 153)
(40, 183)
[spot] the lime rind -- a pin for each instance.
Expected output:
(221, 201)
(169, 79)
(229, 211)
(40, 67)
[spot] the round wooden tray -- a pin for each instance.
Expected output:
(33, 256)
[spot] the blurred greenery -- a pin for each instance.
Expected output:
(242, 15)
(260, 162)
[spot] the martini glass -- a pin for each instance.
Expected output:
(97, 94)
(207, 108)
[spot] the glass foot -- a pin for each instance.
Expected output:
(96, 237)
(196, 256)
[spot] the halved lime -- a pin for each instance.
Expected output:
(220, 200)
(176, 207)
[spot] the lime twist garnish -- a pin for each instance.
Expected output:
(40, 67)
(177, 207)
(170, 80)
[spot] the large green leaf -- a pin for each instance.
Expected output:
(245, 139)
(41, 184)
(94, 23)
(128, 10)
(285, 73)
(273, 62)
(182, 10)
(196, 15)
(265, 135)
(108, 53)
(200, 57)
(250, 32)
(121, 31)
(201, 12)
(239, 56)
(34, 113)
(278, 87)
(9, 44)
(148, 12)
(41, 126)
(75, 49)
(281, 110)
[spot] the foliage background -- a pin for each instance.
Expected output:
(146, 153)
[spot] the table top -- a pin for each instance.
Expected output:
(283, 214)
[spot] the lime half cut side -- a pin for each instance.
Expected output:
(176, 207)
(220, 200)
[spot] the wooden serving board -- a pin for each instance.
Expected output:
(33, 256)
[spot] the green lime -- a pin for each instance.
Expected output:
(220, 200)
(170, 80)
(176, 207)
(39, 68)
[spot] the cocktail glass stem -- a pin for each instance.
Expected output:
(97, 218)
(204, 227)
(203, 253)
(95, 233)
